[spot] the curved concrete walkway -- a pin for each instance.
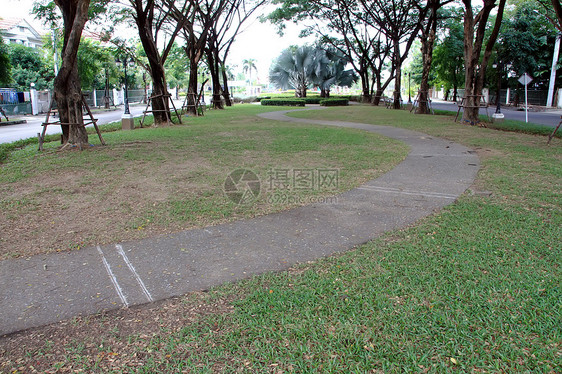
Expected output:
(48, 288)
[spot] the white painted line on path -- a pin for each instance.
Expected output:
(113, 279)
(132, 268)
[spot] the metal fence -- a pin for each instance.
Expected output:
(115, 97)
(16, 109)
(535, 97)
(136, 96)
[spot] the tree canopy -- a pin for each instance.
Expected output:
(5, 65)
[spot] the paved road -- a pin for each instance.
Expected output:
(550, 117)
(33, 126)
(48, 288)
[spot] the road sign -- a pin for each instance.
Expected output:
(525, 79)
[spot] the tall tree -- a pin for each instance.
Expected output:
(5, 65)
(220, 39)
(525, 42)
(153, 19)
(331, 70)
(400, 22)
(295, 68)
(340, 23)
(195, 26)
(249, 65)
(29, 66)
(477, 52)
(428, 35)
(67, 89)
(448, 56)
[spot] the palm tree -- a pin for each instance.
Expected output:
(330, 70)
(248, 65)
(294, 68)
(302, 67)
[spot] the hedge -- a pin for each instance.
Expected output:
(313, 99)
(334, 102)
(284, 102)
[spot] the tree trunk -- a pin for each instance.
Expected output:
(423, 94)
(68, 93)
(144, 19)
(215, 81)
(365, 87)
(378, 96)
(225, 89)
(428, 40)
(398, 75)
(475, 65)
(192, 90)
(160, 103)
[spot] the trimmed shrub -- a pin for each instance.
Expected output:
(283, 102)
(334, 102)
(259, 99)
(313, 99)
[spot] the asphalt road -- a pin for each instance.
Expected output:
(11, 133)
(550, 117)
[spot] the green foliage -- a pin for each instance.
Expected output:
(312, 99)
(448, 55)
(334, 102)
(29, 66)
(525, 43)
(283, 102)
(249, 65)
(177, 66)
(47, 11)
(306, 66)
(5, 65)
(92, 58)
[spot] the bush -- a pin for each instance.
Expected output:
(313, 99)
(334, 102)
(259, 99)
(283, 102)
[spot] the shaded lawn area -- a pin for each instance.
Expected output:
(158, 180)
(474, 288)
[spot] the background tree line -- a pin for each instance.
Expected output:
(458, 41)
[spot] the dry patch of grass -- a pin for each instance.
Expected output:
(159, 180)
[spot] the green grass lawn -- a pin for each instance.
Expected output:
(473, 288)
(158, 180)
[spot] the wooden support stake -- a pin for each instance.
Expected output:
(554, 132)
(94, 121)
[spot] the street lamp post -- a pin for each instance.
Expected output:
(409, 85)
(498, 115)
(127, 121)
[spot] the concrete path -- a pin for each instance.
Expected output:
(48, 288)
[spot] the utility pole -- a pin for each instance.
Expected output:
(55, 51)
(550, 97)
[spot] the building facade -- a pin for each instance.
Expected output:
(19, 31)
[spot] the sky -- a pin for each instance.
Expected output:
(259, 41)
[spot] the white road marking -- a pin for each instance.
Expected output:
(132, 268)
(113, 279)
(405, 192)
